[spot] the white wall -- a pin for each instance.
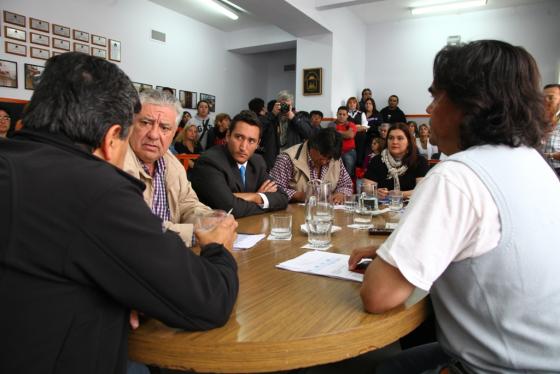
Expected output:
(400, 55)
(194, 57)
(276, 78)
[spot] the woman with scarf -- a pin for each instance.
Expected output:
(399, 159)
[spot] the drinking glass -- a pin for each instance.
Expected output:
(350, 203)
(208, 220)
(281, 226)
(369, 197)
(395, 200)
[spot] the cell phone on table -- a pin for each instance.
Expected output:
(362, 266)
(380, 231)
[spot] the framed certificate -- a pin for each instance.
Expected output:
(15, 34)
(61, 30)
(39, 39)
(14, 18)
(99, 52)
(40, 53)
(79, 47)
(61, 44)
(16, 49)
(81, 36)
(99, 40)
(37, 24)
(114, 50)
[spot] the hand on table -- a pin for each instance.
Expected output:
(338, 198)
(358, 254)
(382, 193)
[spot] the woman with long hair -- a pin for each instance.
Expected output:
(425, 148)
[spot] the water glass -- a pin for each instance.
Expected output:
(208, 220)
(350, 203)
(281, 226)
(395, 200)
(319, 230)
(362, 218)
(369, 197)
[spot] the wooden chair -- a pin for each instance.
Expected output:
(184, 158)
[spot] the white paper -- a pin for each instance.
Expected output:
(244, 241)
(328, 264)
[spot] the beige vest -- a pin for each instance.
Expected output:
(301, 174)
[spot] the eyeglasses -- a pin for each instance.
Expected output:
(4, 117)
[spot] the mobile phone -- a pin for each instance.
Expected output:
(379, 231)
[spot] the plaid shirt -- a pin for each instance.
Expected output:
(160, 207)
(552, 145)
(283, 170)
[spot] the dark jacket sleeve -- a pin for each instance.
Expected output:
(214, 184)
(128, 254)
(302, 125)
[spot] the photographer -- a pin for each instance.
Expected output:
(293, 127)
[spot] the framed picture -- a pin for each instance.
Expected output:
(79, 47)
(39, 39)
(81, 35)
(159, 88)
(141, 86)
(61, 44)
(15, 34)
(40, 53)
(37, 24)
(8, 74)
(211, 100)
(313, 81)
(98, 52)
(98, 40)
(32, 75)
(61, 30)
(187, 99)
(114, 50)
(14, 19)
(16, 49)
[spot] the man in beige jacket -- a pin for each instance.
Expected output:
(168, 192)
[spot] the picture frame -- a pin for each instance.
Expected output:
(79, 47)
(39, 25)
(98, 40)
(32, 75)
(40, 53)
(159, 88)
(141, 86)
(8, 74)
(99, 52)
(39, 39)
(15, 34)
(14, 18)
(211, 100)
(114, 50)
(62, 44)
(15, 49)
(61, 30)
(312, 81)
(187, 99)
(80, 35)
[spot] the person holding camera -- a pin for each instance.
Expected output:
(293, 127)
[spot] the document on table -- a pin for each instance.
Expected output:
(244, 241)
(328, 264)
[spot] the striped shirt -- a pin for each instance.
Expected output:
(283, 170)
(160, 207)
(552, 145)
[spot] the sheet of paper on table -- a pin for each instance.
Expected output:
(328, 264)
(244, 241)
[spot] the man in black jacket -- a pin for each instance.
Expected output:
(231, 176)
(79, 247)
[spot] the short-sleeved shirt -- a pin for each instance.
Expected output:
(377, 171)
(347, 144)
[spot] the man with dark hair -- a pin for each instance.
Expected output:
(551, 148)
(366, 94)
(316, 118)
(392, 113)
(79, 247)
(316, 158)
(233, 177)
(470, 236)
(348, 131)
(269, 146)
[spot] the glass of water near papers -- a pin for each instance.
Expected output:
(208, 220)
(319, 214)
(281, 226)
(395, 200)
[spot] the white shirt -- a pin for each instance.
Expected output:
(451, 216)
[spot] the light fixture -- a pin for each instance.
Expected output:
(221, 9)
(448, 7)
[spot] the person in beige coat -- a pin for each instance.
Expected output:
(168, 192)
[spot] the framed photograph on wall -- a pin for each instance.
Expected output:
(32, 75)
(99, 52)
(16, 49)
(61, 44)
(114, 50)
(313, 81)
(37, 24)
(99, 40)
(187, 99)
(40, 53)
(14, 18)
(8, 74)
(39, 39)
(81, 35)
(141, 86)
(159, 88)
(211, 100)
(61, 30)
(15, 34)
(79, 47)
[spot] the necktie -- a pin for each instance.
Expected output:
(242, 172)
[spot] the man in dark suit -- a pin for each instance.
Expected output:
(232, 176)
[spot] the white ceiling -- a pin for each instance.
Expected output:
(288, 18)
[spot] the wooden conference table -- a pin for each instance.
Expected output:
(282, 320)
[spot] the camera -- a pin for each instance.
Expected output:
(284, 108)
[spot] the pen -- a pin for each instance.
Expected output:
(228, 213)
